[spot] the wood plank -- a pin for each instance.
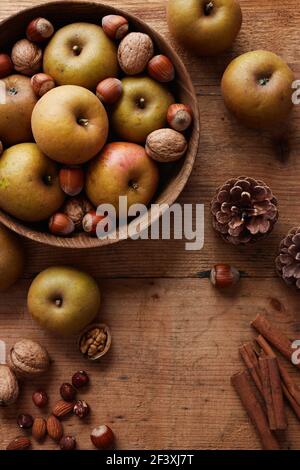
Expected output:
(166, 381)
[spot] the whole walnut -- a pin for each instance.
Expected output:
(166, 145)
(27, 57)
(134, 53)
(29, 359)
(9, 388)
(76, 208)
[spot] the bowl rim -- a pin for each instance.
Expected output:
(80, 242)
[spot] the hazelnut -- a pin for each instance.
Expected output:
(109, 91)
(76, 208)
(71, 180)
(67, 392)
(42, 83)
(134, 53)
(90, 222)
(80, 379)
(9, 388)
(25, 421)
(29, 359)
(39, 30)
(26, 57)
(67, 443)
(166, 145)
(115, 26)
(81, 409)
(6, 65)
(61, 224)
(179, 116)
(103, 437)
(161, 69)
(224, 275)
(40, 398)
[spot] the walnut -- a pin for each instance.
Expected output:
(29, 359)
(76, 208)
(134, 53)
(26, 57)
(166, 145)
(9, 388)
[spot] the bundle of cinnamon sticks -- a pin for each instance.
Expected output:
(266, 381)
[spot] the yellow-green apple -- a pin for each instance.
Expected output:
(70, 124)
(141, 109)
(257, 89)
(63, 299)
(80, 54)
(11, 258)
(205, 27)
(121, 169)
(29, 185)
(16, 106)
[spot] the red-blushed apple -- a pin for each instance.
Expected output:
(257, 89)
(63, 299)
(121, 169)
(70, 124)
(205, 27)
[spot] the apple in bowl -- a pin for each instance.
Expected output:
(80, 54)
(70, 124)
(122, 169)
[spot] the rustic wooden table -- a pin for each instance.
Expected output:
(166, 382)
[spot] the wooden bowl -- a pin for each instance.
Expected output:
(173, 180)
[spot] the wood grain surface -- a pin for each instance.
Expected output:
(166, 381)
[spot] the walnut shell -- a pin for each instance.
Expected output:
(29, 359)
(9, 388)
(26, 57)
(134, 53)
(166, 145)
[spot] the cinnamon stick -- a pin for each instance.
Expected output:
(248, 355)
(242, 384)
(272, 392)
(274, 336)
(290, 389)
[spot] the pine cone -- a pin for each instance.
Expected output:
(244, 210)
(288, 260)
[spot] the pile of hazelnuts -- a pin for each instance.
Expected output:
(163, 145)
(102, 437)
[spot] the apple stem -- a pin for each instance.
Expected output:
(142, 103)
(263, 81)
(76, 49)
(208, 8)
(83, 122)
(48, 179)
(58, 302)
